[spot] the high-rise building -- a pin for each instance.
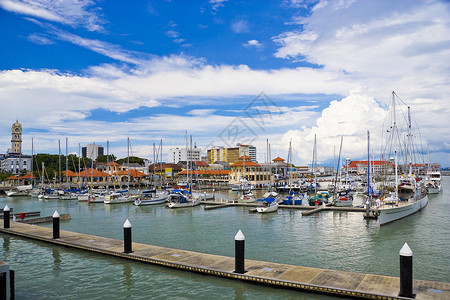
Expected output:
(230, 155)
(92, 151)
(184, 154)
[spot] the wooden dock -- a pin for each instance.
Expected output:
(331, 282)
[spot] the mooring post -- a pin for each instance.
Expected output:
(127, 237)
(56, 225)
(6, 211)
(406, 272)
(239, 248)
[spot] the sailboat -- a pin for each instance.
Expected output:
(152, 196)
(407, 196)
(181, 197)
(293, 198)
(316, 198)
(122, 196)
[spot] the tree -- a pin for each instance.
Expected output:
(133, 159)
(104, 158)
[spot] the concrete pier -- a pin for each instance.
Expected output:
(332, 282)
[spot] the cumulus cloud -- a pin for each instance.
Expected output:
(253, 44)
(350, 118)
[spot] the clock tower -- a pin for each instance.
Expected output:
(16, 138)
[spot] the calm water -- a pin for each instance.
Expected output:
(333, 240)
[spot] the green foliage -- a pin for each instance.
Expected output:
(4, 175)
(133, 159)
(104, 158)
(52, 164)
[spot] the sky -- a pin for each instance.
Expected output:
(225, 72)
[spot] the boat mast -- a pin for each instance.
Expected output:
(67, 167)
(42, 179)
(314, 165)
(79, 166)
(107, 165)
(160, 163)
(368, 167)
(59, 163)
(32, 160)
(128, 164)
(337, 170)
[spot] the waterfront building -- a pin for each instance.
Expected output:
(178, 154)
(359, 167)
(92, 151)
(249, 170)
(14, 161)
(230, 155)
(166, 170)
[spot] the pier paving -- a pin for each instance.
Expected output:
(333, 282)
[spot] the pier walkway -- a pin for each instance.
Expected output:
(349, 284)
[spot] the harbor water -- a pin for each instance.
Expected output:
(330, 240)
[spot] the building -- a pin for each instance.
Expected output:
(184, 154)
(377, 166)
(230, 155)
(92, 151)
(251, 171)
(14, 161)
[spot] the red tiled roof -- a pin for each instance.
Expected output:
(92, 172)
(246, 157)
(247, 163)
(113, 163)
(278, 159)
(132, 172)
(200, 163)
(27, 176)
(70, 173)
(354, 163)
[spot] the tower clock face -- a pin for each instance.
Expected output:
(17, 130)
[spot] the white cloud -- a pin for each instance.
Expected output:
(39, 39)
(240, 26)
(215, 4)
(102, 47)
(70, 12)
(253, 44)
(350, 118)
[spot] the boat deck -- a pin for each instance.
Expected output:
(332, 282)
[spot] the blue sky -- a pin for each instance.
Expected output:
(94, 71)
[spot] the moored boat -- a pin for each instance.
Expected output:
(267, 205)
(182, 198)
(408, 195)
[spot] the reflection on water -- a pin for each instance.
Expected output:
(56, 260)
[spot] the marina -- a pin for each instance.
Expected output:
(331, 239)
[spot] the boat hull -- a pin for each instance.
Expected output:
(267, 209)
(391, 214)
(183, 204)
(433, 190)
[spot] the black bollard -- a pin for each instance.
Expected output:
(127, 237)
(56, 225)
(239, 259)
(406, 272)
(6, 217)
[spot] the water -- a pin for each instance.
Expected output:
(332, 240)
